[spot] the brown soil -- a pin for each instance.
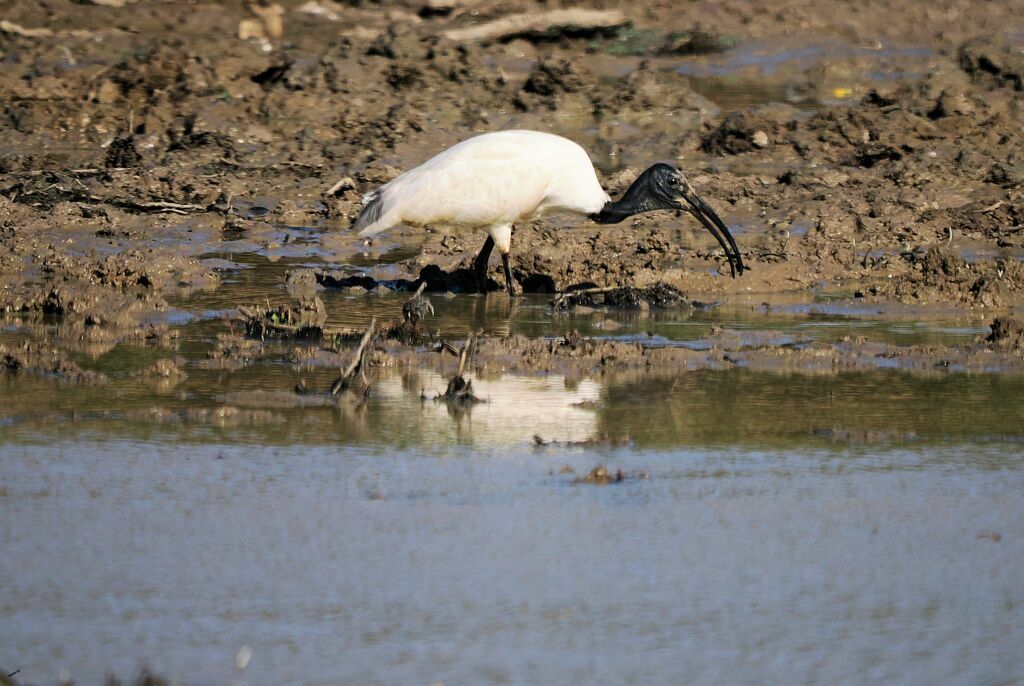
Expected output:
(139, 140)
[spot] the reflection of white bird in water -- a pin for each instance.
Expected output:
(493, 180)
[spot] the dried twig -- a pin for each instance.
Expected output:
(342, 382)
(464, 356)
(543, 24)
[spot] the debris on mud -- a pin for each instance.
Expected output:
(306, 322)
(460, 389)
(358, 365)
(121, 153)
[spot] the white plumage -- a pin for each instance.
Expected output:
(488, 182)
(496, 179)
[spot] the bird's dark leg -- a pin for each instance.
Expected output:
(508, 275)
(480, 264)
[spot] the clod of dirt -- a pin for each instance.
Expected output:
(602, 476)
(993, 61)
(549, 82)
(1006, 332)
(941, 275)
(122, 153)
(748, 130)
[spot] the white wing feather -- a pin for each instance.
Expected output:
(489, 180)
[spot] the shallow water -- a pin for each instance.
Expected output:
(340, 564)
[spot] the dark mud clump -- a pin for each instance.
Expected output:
(994, 61)
(1007, 332)
(625, 298)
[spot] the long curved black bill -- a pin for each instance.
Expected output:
(703, 212)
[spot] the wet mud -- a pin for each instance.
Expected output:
(154, 161)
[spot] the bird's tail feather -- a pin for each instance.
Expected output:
(373, 205)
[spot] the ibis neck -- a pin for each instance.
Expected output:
(641, 196)
(614, 212)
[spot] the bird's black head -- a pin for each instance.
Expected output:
(659, 187)
(663, 187)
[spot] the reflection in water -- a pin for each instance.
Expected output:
(734, 407)
(759, 408)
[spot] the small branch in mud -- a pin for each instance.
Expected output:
(466, 349)
(87, 171)
(344, 381)
(159, 206)
(446, 347)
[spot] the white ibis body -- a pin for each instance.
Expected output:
(491, 181)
